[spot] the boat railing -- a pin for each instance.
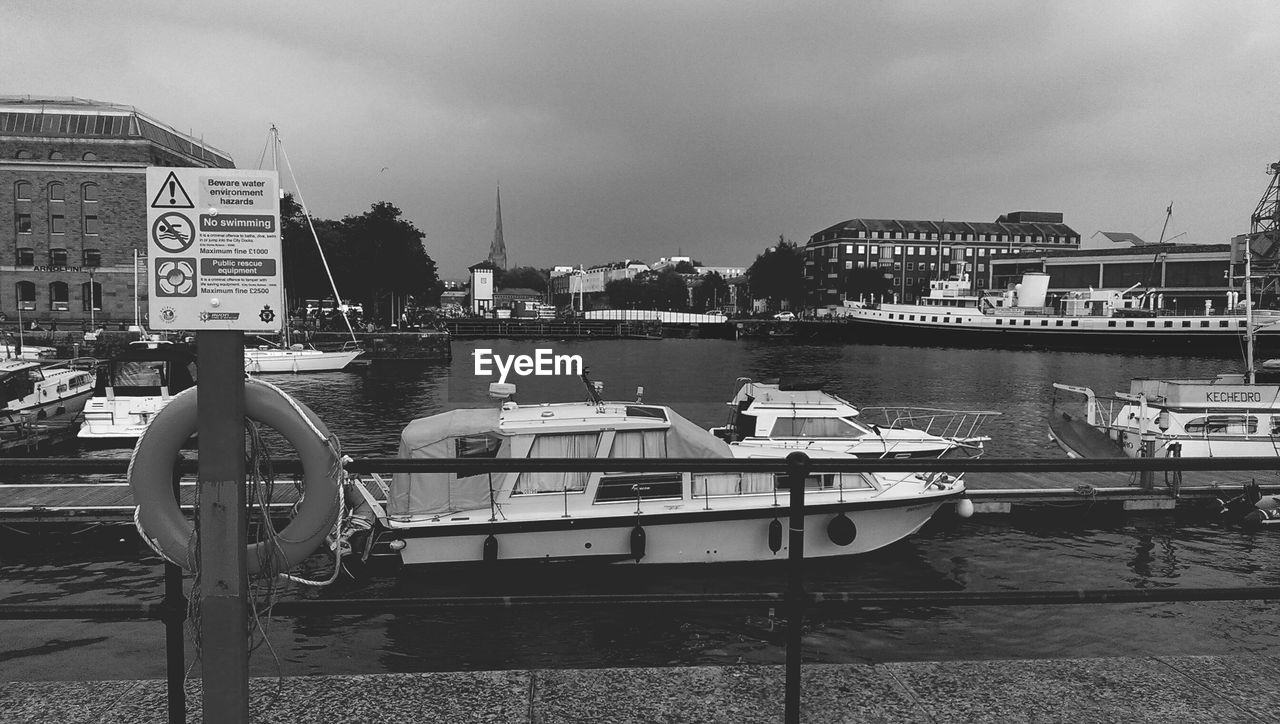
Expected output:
(958, 425)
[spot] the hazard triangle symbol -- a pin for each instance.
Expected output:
(172, 195)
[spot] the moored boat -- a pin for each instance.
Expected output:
(804, 417)
(132, 387)
(296, 358)
(624, 517)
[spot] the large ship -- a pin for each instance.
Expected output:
(1021, 316)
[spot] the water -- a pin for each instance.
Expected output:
(367, 410)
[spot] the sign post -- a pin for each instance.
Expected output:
(214, 267)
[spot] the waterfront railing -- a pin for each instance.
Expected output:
(794, 601)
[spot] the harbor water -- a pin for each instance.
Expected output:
(1053, 549)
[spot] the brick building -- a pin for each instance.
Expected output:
(73, 207)
(908, 254)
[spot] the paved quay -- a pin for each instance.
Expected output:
(1240, 688)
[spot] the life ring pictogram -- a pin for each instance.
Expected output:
(159, 517)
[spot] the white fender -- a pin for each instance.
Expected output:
(159, 517)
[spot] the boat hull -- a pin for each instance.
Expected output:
(695, 536)
(295, 361)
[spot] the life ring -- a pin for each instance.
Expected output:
(159, 517)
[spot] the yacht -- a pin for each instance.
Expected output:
(441, 517)
(45, 389)
(132, 387)
(804, 417)
(295, 358)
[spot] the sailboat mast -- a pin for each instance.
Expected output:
(275, 166)
(1248, 317)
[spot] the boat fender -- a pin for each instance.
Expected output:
(159, 517)
(1262, 517)
(964, 508)
(490, 549)
(841, 530)
(637, 542)
(775, 535)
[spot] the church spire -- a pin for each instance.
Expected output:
(498, 249)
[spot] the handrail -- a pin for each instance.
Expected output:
(794, 600)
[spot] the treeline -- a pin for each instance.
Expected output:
(377, 259)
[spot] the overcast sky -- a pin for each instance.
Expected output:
(643, 129)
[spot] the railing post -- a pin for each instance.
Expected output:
(797, 471)
(175, 615)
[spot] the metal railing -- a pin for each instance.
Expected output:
(795, 600)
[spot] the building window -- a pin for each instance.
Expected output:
(897, 250)
(22, 191)
(56, 156)
(24, 223)
(26, 256)
(22, 155)
(848, 265)
(89, 192)
(848, 248)
(89, 156)
(57, 224)
(911, 266)
(26, 295)
(90, 224)
(91, 296)
(58, 257)
(862, 265)
(56, 192)
(862, 248)
(92, 257)
(59, 297)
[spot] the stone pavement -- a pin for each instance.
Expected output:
(1242, 688)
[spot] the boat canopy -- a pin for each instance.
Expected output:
(476, 433)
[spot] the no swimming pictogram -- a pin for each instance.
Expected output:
(173, 232)
(172, 195)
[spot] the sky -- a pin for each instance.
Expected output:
(637, 130)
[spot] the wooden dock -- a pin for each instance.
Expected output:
(53, 504)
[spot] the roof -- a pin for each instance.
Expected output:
(1121, 237)
(69, 116)
(1032, 227)
(520, 292)
(486, 264)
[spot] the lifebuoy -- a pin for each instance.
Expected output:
(159, 518)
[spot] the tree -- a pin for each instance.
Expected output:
(866, 282)
(383, 257)
(778, 275)
(522, 277)
(712, 292)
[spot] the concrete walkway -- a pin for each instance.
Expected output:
(1243, 688)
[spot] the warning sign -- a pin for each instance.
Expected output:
(216, 266)
(171, 194)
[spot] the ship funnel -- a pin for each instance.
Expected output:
(1032, 290)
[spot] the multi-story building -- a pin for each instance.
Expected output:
(906, 255)
(73, 206)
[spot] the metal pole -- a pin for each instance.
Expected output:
(223, 537)
(798, 463)
(175, 613)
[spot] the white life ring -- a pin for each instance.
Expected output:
(159, 517)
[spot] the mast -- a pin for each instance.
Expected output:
(278, 144)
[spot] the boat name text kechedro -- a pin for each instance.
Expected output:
(543, 363)
(1233, 397)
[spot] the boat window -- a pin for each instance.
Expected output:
(656, 413)
(644, 486)
(138, 374)
(705, 484)
(639, 444)
(1222, 425)
(483, 445)
(829, 481)
(814, 427)
(573, 445)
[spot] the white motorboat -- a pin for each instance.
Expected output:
(132, 388)
(623, 517)
(42, 390)
(803, 417)
(297, 358)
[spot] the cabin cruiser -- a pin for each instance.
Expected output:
(45, 390)
(441, 517)
(132, 387)
(803, 417)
